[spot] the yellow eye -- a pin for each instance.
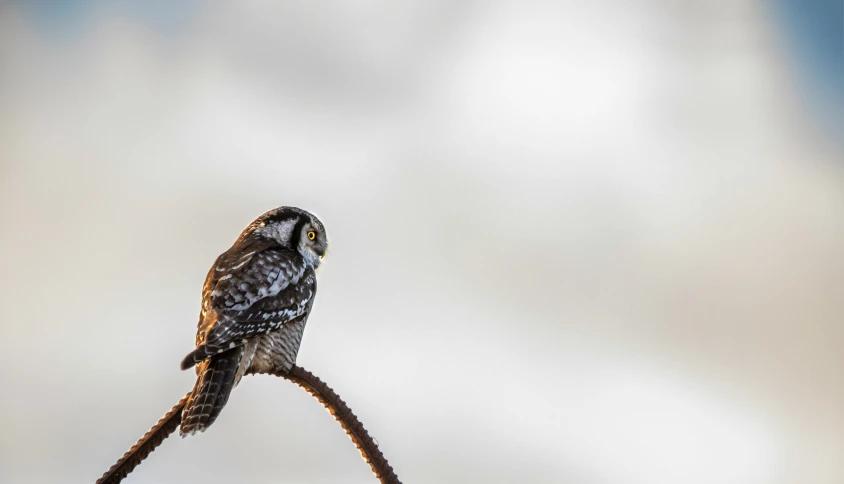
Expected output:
(311, 235)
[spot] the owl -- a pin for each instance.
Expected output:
(255, 302)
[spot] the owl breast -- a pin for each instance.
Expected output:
(277, 349)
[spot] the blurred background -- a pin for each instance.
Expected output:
(595, 242)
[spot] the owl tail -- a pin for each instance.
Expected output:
(217, 377)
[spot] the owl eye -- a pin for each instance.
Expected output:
(311, 235)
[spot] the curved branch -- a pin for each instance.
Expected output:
(144, 447)
(298, 375)
(350, 423)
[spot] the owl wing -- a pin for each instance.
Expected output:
(251, 291)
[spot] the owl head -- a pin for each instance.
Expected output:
(293, 228)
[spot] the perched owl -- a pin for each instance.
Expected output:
(255, 303)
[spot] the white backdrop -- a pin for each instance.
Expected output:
(573, 242)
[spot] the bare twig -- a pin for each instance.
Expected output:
(298, 375)
(355, 430)
(144, 447)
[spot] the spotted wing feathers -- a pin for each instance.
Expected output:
(248, 294)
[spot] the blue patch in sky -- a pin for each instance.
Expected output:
(60, 19)
(815, 32)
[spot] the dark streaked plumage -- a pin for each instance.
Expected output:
(255, 303)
